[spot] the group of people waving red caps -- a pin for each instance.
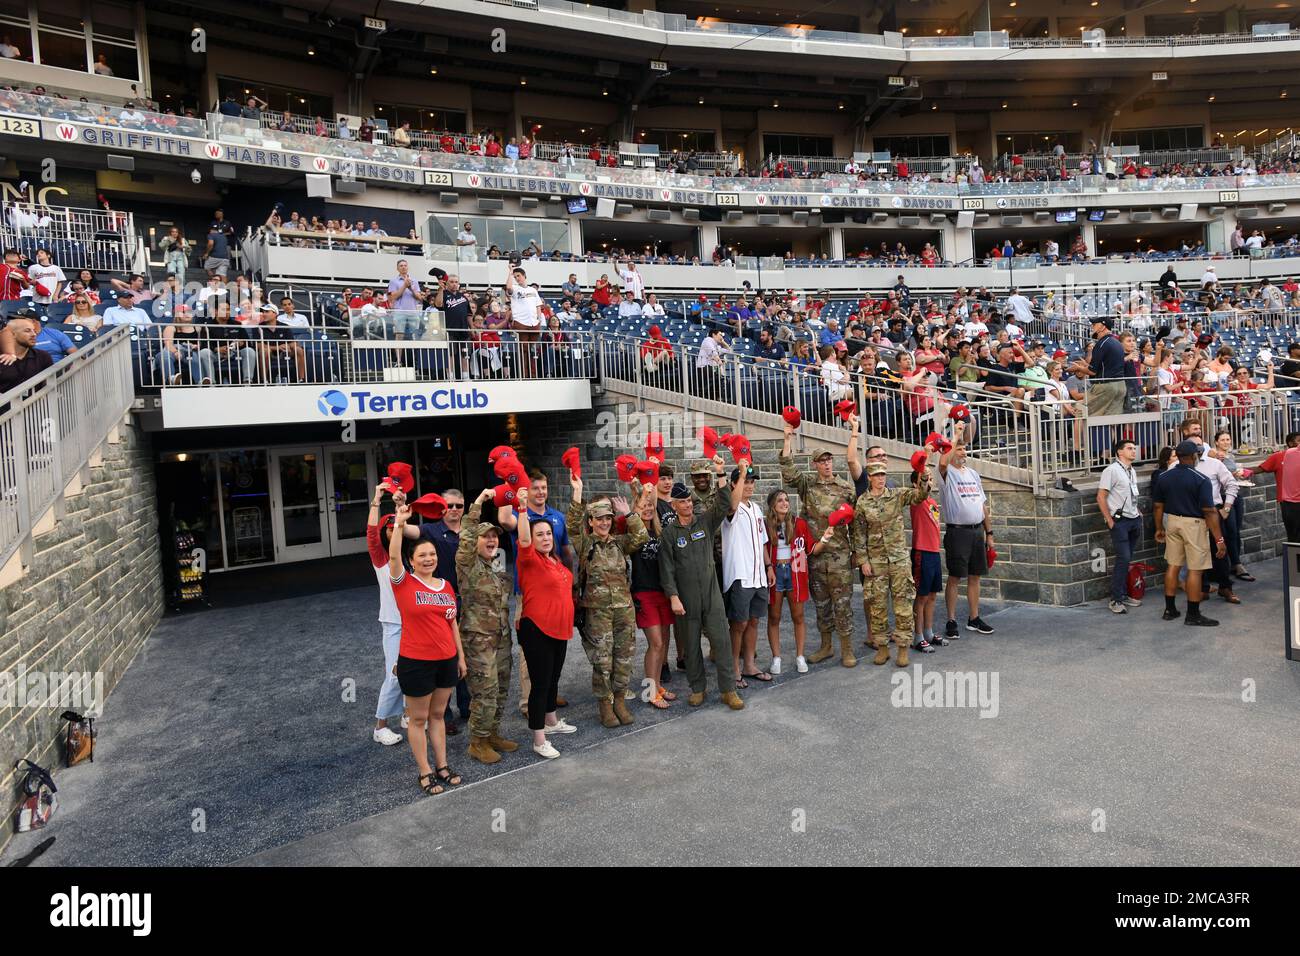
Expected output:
(438, 633)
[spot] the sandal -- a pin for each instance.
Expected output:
(740, 683)
(658, 701)
(429, 784)
(1244, 575)
(666, 694)
(763, 676)
(451, 778)
(1229, 597)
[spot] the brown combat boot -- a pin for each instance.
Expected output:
(846, 652)
(902, 655)
(481, 750)
(502, 745)
(882, 653)
(620, 709)
(607, 718)
(696, 698)
(825, 652)
(732, 700)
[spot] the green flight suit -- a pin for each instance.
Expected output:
(686, 571)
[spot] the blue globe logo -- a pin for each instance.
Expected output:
(332, 402)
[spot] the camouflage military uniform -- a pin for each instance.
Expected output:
(879, 536)
(609, 637)
(484, 628)
(830, 573)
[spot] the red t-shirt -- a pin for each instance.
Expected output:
(493, 149)
(925, 526)
(427, 616)
(1288, 478)
(547, 589)
(12, 282)
(1273, 463)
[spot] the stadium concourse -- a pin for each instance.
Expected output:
(399, 311)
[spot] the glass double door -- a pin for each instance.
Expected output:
(320, 500)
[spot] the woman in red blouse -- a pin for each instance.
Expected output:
(430, 658)
(545, 624)
(602, 294)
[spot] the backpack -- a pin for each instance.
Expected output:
(79, 744)
(38, 801)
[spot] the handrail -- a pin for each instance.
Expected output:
(50, 426)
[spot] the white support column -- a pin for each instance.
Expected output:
(837, 242)
(708, 240)
(959, 244)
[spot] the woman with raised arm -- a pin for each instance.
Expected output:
(430, 659)
(545, 624)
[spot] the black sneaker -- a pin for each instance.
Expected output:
(950, 630)
(681, 663)
(940, 641)
(665, 674)
(977, 624)
(1200, 620)
(1171, 615)
(923, 646)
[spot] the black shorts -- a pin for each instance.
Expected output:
(964, 550)
(420, 678)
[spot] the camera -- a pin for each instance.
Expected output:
(196, 177)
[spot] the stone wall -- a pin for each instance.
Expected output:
(1047, 547)
(86, 603)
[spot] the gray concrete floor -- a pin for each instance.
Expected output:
(236, 718)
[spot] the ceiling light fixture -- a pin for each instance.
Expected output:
(311, 51)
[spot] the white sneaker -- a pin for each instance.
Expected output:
(801, 665)
(405, 721)
(545, 750)
(776, 666)
(383, 735)
(561, 726)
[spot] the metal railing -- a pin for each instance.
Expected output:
(369, 350)
(342, 241)
(50, 425)
(98, 239)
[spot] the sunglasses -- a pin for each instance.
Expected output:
(450, 506)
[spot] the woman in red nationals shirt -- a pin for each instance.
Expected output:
(430, 658)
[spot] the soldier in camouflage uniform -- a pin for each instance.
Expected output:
(609, 637)
(830, 572)
(882, 550)
(485, 632)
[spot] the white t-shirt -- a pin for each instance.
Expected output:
(1022, 307)
(295, 321)
(744, 540)
(1255, 242)
(976, 328)
(962, 496)
(1209, 276)
(48, 276)
(524, 306)
(631, 281)
(655, 311)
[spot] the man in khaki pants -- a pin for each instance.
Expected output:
(1184, 506)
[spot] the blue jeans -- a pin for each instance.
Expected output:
(198, 361)
(391, 703)
(1126, 535)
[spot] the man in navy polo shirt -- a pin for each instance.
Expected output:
(1184, 507)
(1106, 390)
